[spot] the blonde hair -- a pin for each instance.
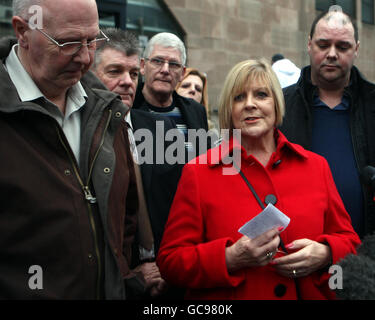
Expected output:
(238, 80)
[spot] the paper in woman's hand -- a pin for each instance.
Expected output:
(269, 218)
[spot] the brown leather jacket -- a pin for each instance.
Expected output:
(74, 220)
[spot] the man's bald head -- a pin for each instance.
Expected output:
(334, 17)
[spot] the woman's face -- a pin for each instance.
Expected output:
(254, 111)
(191, 87)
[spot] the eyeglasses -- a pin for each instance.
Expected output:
(71, 48)
(158, 63)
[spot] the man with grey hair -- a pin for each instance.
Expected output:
(163, 66)
(67, 183)
(117, 66)
(331, 111)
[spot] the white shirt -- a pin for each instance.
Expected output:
(144, 254)
(28, 91)
(133, 146)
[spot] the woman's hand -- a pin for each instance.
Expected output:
(308, 257)
(248, 252)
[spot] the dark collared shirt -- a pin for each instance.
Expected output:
(331, 138)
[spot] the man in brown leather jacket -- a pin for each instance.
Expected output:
(67, 185)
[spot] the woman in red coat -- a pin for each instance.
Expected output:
(202, 249)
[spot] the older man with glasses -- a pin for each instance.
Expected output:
(68, 193)
(163, 66)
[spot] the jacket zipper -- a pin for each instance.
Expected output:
(88, 195)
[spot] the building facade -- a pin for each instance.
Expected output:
(220, 33)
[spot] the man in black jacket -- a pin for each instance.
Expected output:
(163, 66)
(331, 111)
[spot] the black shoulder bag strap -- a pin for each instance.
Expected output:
(261, 204)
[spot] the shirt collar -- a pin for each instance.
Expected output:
(78, 96)
(343, 105)
(26, 87)
(128, 120)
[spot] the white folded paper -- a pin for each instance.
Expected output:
(269, 218)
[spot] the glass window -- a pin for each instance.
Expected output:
(323, 5)
(144, 17)
(148, 17)
(368, 11)
(6, 14)
(348, 6)
(107, 20)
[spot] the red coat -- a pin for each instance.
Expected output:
(210, 207)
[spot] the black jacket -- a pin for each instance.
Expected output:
(298, 122)
(159, 180)
(165, 178)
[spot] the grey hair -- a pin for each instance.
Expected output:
(166, 40)
(120, 40)
(21, 7)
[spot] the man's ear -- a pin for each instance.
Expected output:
(309, 43)
(142, 66)
(20, 27)
(182, 73)
(356, 53)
